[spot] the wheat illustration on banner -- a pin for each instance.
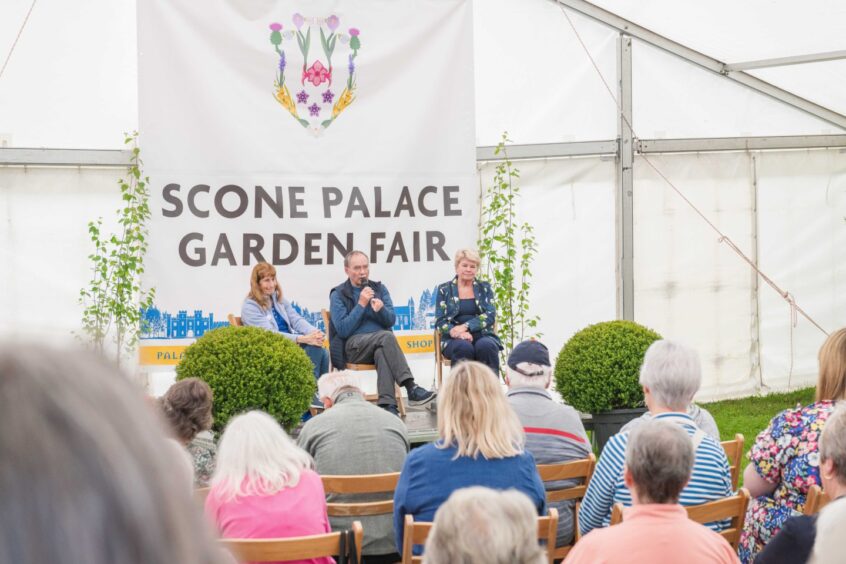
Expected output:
(316, 103)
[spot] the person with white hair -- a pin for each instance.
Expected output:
(554, 431)
(264, 485)
(670, 376)
(659, 461)
(794, 541)
(479, 525)
(353, 436)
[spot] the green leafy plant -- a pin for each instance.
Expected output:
(507, 249)
(251, 368)
(113, 300)
(598, 368)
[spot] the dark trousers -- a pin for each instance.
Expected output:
(483, 349)
(380, 348)
(319, 357)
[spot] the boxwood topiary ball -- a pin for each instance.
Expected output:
(598, 368)
(251, 368)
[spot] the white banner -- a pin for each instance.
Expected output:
(293, 132)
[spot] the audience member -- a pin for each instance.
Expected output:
(354, 436)
(187, 406)
(480, 444)
(85, 476)
(784, 460)
(554, 431)
(670, 376)
(793, 543)
(656, 529)
(701, 417)
(482, 526)
(264, 485)
(830, 542)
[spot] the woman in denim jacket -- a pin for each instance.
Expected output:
(467, 315)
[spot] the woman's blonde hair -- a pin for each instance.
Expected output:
(831, 384)
(474, 416)
(257, 457)
(262, 270)
(467, 254)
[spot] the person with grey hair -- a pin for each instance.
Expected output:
(86, 475)
(794, 541)
(354, 436)
(659, 462)
(360, 332)
(670, 376)
(554, 431)
(479, 525)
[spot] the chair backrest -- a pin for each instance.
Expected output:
(324, 313)
(294, 548)
(616, 513)
(574, 469)
(734, 454)
(418, 532)
(361, 484)
(234, 320)
(816, 500)
(733, 508)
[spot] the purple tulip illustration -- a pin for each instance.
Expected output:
(298, 20)
(332, 22)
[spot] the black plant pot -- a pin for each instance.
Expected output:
(609, 423)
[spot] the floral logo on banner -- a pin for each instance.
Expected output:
(320, 92)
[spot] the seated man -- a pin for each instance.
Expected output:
(659, 462)
(794, 542)
(670, 376)
(362, 318)
(554, 431)
(354, 436)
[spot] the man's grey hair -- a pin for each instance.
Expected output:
(334, 383)
(520, 380)
(672, 373)
(833, 442)
(351, 254)
(659, 455)
(482, 526)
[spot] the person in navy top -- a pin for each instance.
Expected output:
(266, 308)
(480, 444)
(466, 314)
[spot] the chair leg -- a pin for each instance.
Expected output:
(400, 402)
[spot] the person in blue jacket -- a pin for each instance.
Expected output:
(466, 315)
(266, 308)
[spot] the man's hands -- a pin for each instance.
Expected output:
(314, 338)
(367, 295)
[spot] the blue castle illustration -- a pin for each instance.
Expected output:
(157, 324)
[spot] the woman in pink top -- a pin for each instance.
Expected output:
(264, 485)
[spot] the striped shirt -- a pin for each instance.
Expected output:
(710, 479)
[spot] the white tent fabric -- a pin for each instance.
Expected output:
(785, 209)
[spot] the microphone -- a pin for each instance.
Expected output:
(365, 283)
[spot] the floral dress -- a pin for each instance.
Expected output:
(785, 453)
(203, 453)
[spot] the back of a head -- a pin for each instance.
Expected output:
(332, 384)
(831, 384)
(84, 477)
(474, 415)
(256, 457)
(659, 456)
(187, 406)
(672, 373)
(483, 526)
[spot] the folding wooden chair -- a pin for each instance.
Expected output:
(294, 548)
(417, 533)
(361, 484)
(374, 398)
(440, 359)
(616, 513)
(576, 469)
(816, 500)
(734, 454)
(234, 320)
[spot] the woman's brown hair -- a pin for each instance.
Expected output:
(262, 270)
(831, 384)
(187, 406)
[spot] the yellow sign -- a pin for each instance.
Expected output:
(171, 355)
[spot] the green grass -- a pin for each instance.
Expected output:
(751, 415)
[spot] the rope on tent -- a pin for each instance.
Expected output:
(20, 31)
(723, 238)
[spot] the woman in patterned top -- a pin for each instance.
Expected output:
(467, 315)
(785, 457)
(187, 406)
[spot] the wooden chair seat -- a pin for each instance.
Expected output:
(294, 548)
(734, 454)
